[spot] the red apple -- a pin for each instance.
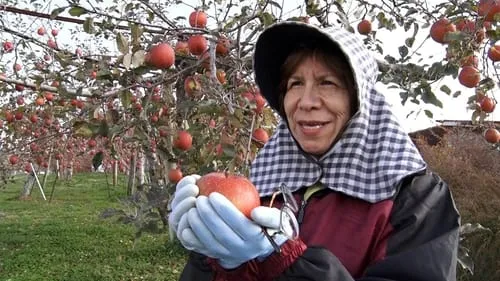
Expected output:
(222, 47)
(184, 140)
(238, 189)
(191, 85)
(19, 87)
(365, 27)
(198, 19)
(174, 175)
(19, 115)
(49, 96)
(494, 53)
(20, 101)
(161, 56)
(492, 135)
(488, 9)
(79, 52)
(181, 48)
(469, 76)
(440, 28)
(8, 46)
(92, 143)
(13, 159)
(34, 118)
(197, 44)
(41, 31)
(260, 135)
(487, 104)
(52, 44)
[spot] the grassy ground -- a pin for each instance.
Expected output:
(66, 240)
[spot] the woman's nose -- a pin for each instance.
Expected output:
(309, 98)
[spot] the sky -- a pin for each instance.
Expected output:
(454, 108)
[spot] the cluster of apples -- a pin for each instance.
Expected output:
(474, 30)
(164, 55)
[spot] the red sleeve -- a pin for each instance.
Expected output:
(266, 270)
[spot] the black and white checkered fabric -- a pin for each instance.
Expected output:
(373, 154)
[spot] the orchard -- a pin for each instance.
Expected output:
(167, 87)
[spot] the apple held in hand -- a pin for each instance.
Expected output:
(238, 189)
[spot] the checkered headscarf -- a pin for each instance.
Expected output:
(373, 153)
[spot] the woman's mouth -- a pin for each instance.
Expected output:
(311, 128)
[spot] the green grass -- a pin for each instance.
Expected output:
(66, 239)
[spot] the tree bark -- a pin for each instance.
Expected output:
(141, 169)
(47, 171)
(28, 186)
(131, 174)
(115, 173)
(58, 169)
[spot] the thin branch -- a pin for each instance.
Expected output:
(68, 19)
(158, 14)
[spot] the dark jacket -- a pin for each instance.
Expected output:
(410, 237)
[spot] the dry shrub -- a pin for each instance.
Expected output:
(471, 167)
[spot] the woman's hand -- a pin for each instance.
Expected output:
(219, 230)
(184, 199)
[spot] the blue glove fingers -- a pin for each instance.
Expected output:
(224, 233)
(267, 217)
(191, 179)
(205, 236)
(236, 220)
(180, 210)
(188, 190)
(183, 224)
(191, 242)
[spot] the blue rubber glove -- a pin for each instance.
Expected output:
(219, 230)
(184, 199)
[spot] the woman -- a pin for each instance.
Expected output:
(369, 209)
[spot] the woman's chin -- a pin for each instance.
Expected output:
(313, 149)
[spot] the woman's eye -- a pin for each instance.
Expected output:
(293, 84)
(328, 82)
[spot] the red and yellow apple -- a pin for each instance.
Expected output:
(237, 189)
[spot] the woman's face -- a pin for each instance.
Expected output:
(317, 105)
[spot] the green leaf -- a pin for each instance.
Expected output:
(275, 4)
(77, 11)
(456, 94)
(266, 18)
(88, 25)
(56, 12)
(125, 98)
(136, 33)
(445, 89)
(409, 41)
(428, 113)
(127, 60)
(403, 51)
(82, 129)
(138, 58)
(122, 43)
(429, 97)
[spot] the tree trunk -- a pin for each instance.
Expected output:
(69, 171)
(131, 174)
(115, 173)
(47, 171)
(58, 169)
(141, 169)
(28, 186)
